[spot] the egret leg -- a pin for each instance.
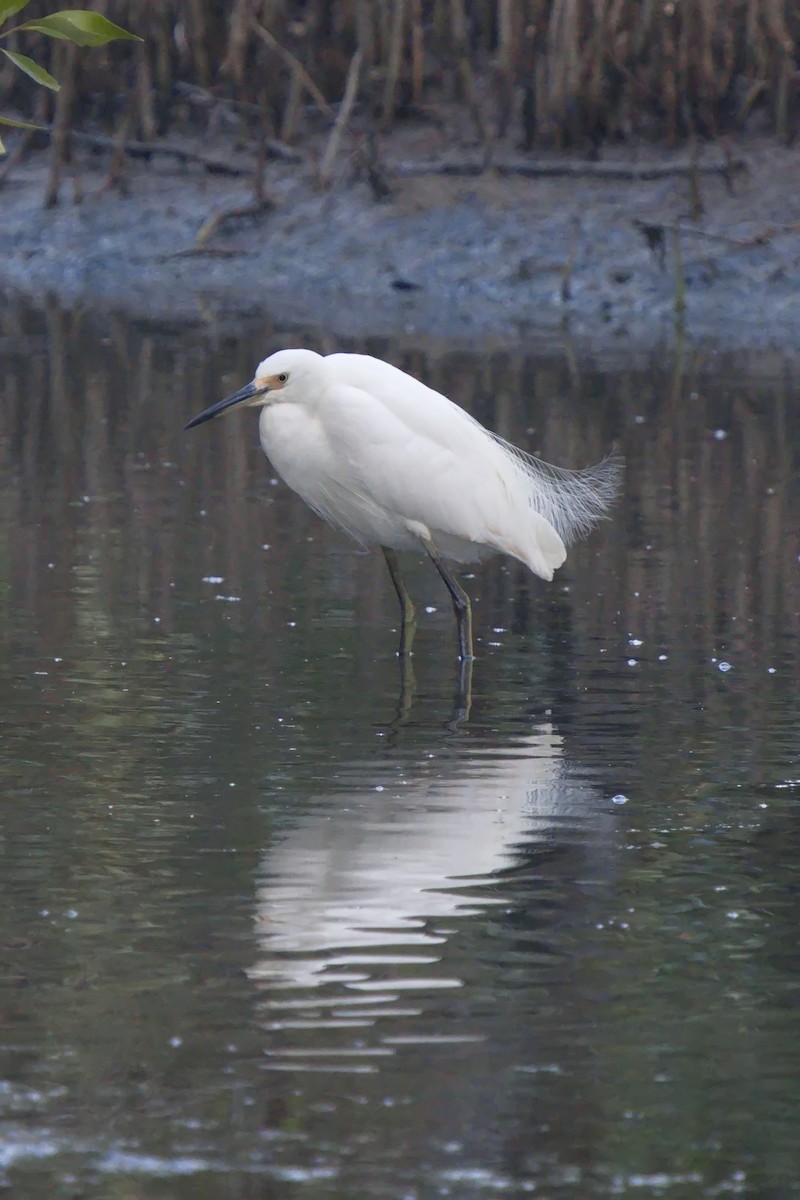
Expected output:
(408, 617)
(462, 701)
(461, 604)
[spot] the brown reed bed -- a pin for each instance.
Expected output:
(544, 73)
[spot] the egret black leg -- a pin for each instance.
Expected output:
(461, 605)
(408, 616)
(462, 701)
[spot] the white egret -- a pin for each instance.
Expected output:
(397, 465)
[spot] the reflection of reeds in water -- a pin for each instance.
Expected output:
(565, 71)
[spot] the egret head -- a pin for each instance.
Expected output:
(284, 376)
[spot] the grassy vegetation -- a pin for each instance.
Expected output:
(542, 73)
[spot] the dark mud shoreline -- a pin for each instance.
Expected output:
(443, 258)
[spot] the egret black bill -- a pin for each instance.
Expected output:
(214, 410)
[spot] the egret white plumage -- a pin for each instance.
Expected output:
(395, 464)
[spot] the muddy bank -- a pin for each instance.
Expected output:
(505, 258)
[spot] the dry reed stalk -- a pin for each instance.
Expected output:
(144, 90)
(325, 174)
(580, 68)
(569, 265)
(233, 63)
(507, 41)
(680, 275)
(365, 33)
(394, 60)
(116, 176)
(417, 52)
(59, 145)
(458, 26)
(294, 65)
(292, 109)
(786, 70)
(696, 206)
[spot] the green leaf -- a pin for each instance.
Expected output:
(82, 28)
(33, 69)
(9, 7)
(16, 125)
(21, 124)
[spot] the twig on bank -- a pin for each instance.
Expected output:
(213, 223)
(651, 229)
(209, 251)
(540, 169)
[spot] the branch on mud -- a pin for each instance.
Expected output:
(653, 232)
(214, 166)
(538, 169)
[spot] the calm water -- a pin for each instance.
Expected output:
(274, 926)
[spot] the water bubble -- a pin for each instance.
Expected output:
(724, 666)
(619, 799)
(632, 662)
(662, 658)
(720, 435)
(175, 1041)
(213, 579)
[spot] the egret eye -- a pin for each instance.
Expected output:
(282, 377)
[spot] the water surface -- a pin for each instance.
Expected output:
(274, 925)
